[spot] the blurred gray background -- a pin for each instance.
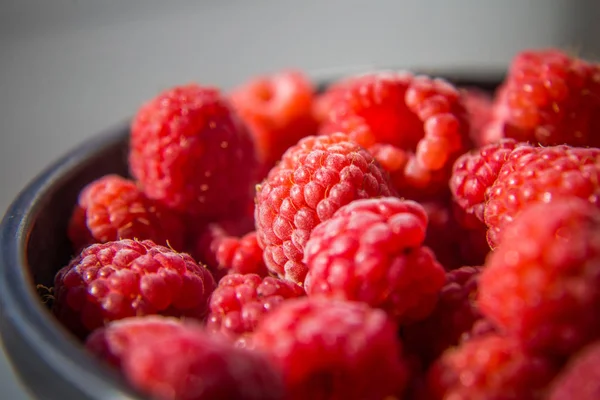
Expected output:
(71, 68)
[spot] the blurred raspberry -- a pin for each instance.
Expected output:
(550, 98)
(241, 301)
(191, 153)
(581, 378)
(167, 359)
(542, 283)
(126, 278)
(278, 110)
(314, 179)
(478, 104)
(331, 349)
(371, 251)
(112, 208)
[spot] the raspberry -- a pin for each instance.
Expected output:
(191, 153)
(542, 283)
(478, 104)
(371, 251)
(330, 349)
(423, 118)
(580, 379)
(313, 180)
(113, 208)
(490, 367)
(536, 174)
(454, 315)
(549, 98)
(278, 111)
(241, 301)
(474, 172)
(115, 280)
(241, 255)
(167, 359)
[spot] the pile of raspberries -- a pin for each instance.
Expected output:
(393, 237)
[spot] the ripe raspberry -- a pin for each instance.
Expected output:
(474, 172)
(490, 367)
(371, 251)
(241, 301)
(191, 153)
(478, 104)
(423, 118)
(542, 284)
(454, 314)
(580, 379)
(331, 349)
(537, 174)
(313, 180)
(549, 98)
(113, 208)
(167, 359)
(115, 280)
(278, 111)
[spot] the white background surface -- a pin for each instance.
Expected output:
(69, 68)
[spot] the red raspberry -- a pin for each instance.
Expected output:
(166, 359)
(423, 118)
(241, 255)
(371, 251)
(191, 153)
(313, 180)
(474, 172)
(241, 301)
(454, 315)
(491, 367)
(537, 174)
(331, 349)
(542, 283)
(115, 280)
(208, 236)
(478, 104)
(113, 208)
(580, 379)
(551, 99)
(278, 111)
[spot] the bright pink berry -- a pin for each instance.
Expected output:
(580, 379)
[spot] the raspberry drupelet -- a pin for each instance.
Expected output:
(240, 301)
(125, 278)
(331, 349)
(550, 98)
(371, 251)
(313, 180)
(168, 359)
(540, 174)
(190, 152)
(278, 109)
(490, 367)
(542, 283)
(112, 208)
(580, 379)
(416, 126)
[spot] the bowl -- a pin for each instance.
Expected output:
(48, 360)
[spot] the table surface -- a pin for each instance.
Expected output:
(69, 68)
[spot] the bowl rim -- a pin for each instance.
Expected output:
(19, 301)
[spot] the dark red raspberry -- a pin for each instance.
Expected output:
(115, 280)
(421, 117)
(549, 98)
(241, 301)
(313, 180)
(580, 379)
(474, 172)
(478, 104)
(540, 174)
(278, 110)
(454, 315)
(331, 349)
(168, 359)
(191, 153)
(113, 208)
(371, 251)
(542, 283)
(490, 367)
